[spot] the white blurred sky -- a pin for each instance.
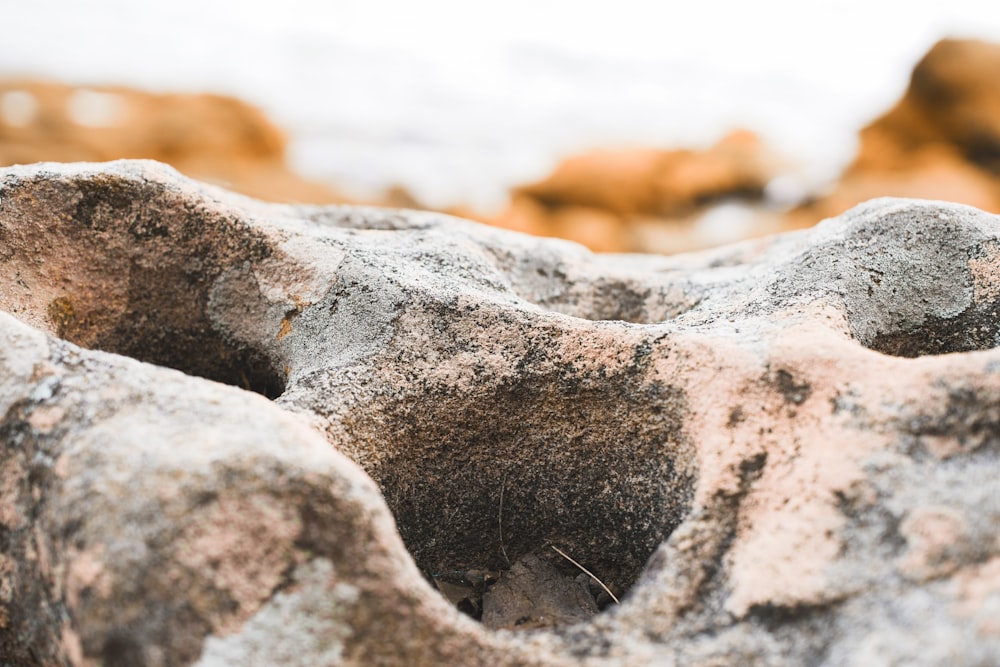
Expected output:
(459, 99)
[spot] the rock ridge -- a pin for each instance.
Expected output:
(778, 452)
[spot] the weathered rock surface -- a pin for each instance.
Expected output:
(783, 452)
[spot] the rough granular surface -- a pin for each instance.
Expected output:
(236, 433)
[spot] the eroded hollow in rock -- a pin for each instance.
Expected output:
(597, 468)
(150, 332)
(128, 267)
(595, 464)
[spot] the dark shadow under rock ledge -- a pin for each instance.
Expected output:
(782, 452)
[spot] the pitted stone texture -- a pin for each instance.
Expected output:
(785, 451)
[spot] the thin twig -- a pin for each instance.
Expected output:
(586, 571)
(503, 484)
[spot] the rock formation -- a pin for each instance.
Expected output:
(953, 102)
(210, 137)
(940, 141)
(598, 198)
(782, 452)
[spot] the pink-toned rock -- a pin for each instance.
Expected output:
(779, 452)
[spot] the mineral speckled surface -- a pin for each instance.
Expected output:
(782, 452)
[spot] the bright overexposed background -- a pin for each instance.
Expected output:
(457, 99)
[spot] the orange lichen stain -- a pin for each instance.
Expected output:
(62, 314)
(286, 328)
(286, 322)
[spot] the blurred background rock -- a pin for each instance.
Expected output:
(637, 128)
(210, 137)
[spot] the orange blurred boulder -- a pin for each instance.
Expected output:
(940, 141)
(953, 99)
(657, 182)
(211, 137)
(622, 182)
(597, 228)
(599, 198)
